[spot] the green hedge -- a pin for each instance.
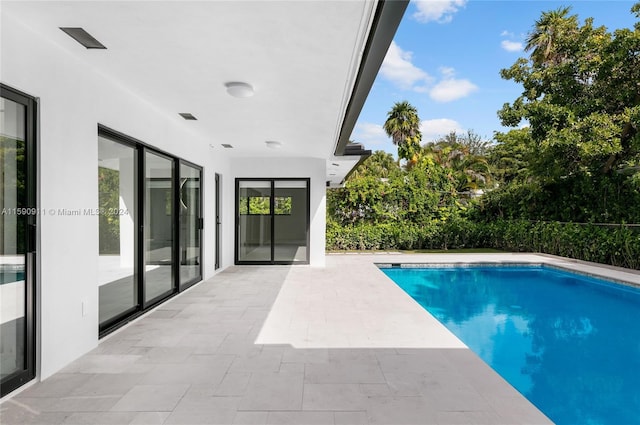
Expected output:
(617, 246)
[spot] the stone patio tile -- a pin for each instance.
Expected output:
(298, 418)
(333, 397)
(155, 398)
(273, 391)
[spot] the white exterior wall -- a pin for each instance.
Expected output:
(315, 169)
(73, 100)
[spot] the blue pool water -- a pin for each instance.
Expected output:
(567, 342)
(8, 276)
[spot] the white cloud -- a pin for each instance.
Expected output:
(509, 45)
(451, 89)
(447, 72)
(370, 134)
(440, 11)
(436, 128)
(398, 68)
(512, 46)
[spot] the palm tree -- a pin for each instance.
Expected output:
(542, 41)
(403, 126)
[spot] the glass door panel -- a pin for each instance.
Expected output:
(254, 221)
(13, 227)
(158, 226)
(17, 239)
(190, 233)
(117, 278)
(291, 221)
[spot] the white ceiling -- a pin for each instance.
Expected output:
(301, 57)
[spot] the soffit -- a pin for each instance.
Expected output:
(301, 57)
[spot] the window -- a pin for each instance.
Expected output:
(272, 217)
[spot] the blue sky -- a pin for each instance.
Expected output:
(446, 58)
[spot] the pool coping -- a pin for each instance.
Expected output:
(599, 276)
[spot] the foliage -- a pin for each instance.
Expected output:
(464, 169)
(579, 158)
(596, 199)
(108, 200)
(510, 157)
(402, 196)
(617, 246)
(12, 156)
(576, 159)
(581, 97)
(403, 126)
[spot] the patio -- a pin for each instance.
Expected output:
(285, 345)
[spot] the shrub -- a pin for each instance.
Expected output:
(617, 246)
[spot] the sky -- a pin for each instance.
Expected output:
(446, 58)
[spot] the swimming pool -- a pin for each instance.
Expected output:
(569, 343)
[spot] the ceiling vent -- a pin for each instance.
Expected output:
(187, 116)
(83, 37)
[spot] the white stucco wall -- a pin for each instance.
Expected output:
(73, 100)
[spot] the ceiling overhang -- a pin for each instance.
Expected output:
(311, 65)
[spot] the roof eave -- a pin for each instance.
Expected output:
(383, 28)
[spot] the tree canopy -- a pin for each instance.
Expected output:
(581, 96)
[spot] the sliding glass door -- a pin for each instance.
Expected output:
(17, 239)
(158, 226)
(117, 227)
(150, 224)
(290, 221)
(272, 221)
(190, 208)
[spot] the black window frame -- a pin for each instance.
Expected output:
(145, 305)
(28, 373)
(272, 214)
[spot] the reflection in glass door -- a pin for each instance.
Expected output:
(17, 239)
(158, 226)
(272, 221)
(117, 278)
(190, 224)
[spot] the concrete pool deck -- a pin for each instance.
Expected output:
(288, 345)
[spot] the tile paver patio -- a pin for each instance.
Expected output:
(282, 345)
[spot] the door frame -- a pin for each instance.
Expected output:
(28, 372)
(272, 180)
(218, 221)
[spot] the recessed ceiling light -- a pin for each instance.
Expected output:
(187, 116)
(83, 37)
(227, 146)
(239, 89)
(273, 144)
